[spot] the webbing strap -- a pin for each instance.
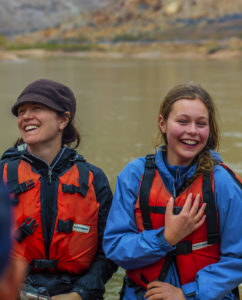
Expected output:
(12, 178)
(211, 212)
(83, 180)
(165, 267)
(162, 210)
(181, 248)
(64, 226)
(43, 264)
(12, 181)
(145, 190)
(12, 175)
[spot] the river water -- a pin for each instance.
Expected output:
(117, 105)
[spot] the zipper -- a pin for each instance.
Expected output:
(50, 168)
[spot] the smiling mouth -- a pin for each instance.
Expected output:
(30, 127)
(189, 142)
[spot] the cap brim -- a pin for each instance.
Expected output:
(35, 98)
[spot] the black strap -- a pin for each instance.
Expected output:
(211, 212)
(42, 264)
(26, 229)
(12, 175)
(12, 181)
(24, 186)
(83, 180)
(165, 267)
(83, 177)
(64, 226)
(162, 209)
(145, 187)
(12, 178)
(182, 248)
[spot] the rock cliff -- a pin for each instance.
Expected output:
(114, 21)
(23, 16)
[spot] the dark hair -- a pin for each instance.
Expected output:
(192, 91)
(70, 136)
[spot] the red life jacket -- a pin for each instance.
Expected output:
(74, 241)
(197, 250)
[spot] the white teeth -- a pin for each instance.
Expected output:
(30, 127)
(189, 142)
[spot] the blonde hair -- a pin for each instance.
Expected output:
(192, 91)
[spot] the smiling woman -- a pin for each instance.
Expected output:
(186, 130)
(41, 129)
(60, 200)
(173, 223)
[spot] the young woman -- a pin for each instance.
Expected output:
(174, 220)
(60, 201)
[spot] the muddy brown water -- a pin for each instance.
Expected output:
(118, 101)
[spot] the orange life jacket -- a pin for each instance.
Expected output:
(75, 237)
(194, 252)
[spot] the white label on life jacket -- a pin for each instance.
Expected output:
(81, 228)
(201, 245)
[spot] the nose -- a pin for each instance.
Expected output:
(192, 128)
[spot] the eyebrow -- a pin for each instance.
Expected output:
(187, 116)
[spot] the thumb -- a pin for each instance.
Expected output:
(169, 207)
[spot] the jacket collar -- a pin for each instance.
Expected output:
(171, 181)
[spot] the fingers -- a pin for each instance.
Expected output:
(195, 205)
(154, 290)
(169, 206)
(200, 222)
(193, 208)
(200, 212)
(154, 283)
(187, 205)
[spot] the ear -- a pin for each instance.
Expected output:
(64, 120)
(162, 124)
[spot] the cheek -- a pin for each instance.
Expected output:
(174, 131)
(204, 133)
(19, 121)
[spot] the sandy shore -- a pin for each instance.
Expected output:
(147, 51)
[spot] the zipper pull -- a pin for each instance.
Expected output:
(50, 174)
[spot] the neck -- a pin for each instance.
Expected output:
(45, 153)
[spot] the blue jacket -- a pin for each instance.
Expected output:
(5, 222)
(130, 249)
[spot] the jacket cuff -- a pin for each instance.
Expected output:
(189, 290)
(163, 241)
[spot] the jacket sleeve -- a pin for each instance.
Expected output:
(122, 241)
(216, 280)
(91, 285)
(5, 226)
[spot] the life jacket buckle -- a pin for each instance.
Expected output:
(25, 186)
(213, 238)
(65, 226)
(26, 229)
(43, 264)
(182, 248)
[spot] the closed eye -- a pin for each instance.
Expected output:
(202, 124)
(182, 122)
